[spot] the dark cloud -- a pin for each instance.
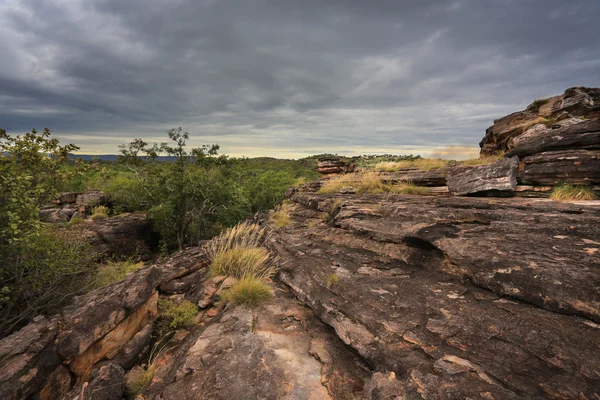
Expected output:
(277, 76)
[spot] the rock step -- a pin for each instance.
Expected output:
(408, 311)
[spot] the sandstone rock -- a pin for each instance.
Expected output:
(119, 236)
(578, 101)
(57, 385)
(569, 166)
(132, 353)
(335, 165)
(498, 176)
(459, 297)
(108, 383)
(435, 177)
(68, 197)
(27, 358)
(91, 198)
(538, 139)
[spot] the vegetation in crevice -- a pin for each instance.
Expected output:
(569, 192)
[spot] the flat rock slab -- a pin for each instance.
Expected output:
(499, 176)
(402, 302)
(555, 167)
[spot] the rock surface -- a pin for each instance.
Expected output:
(555, 167)
(577, 101)
(498, 176)
(335, 165)
(458, 297)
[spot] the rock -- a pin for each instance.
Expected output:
(335, 165)
(119, 236)
(384, 387)
(569, 166)
(108, 383)
(68, 197)
(58, 384)
(110, 344)
(498, 176)
(435, 177)
(578, 101)
(132, 353)
(538, 139)
(458, 297)
(91, 198)
(53, 215)
(27, 358)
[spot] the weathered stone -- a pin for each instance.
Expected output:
(429, 289)
(91, 198)
(27, 357)
(569, 166)
(68, 197)
(538, 139)
(57, 385)
(578, 101)
(498, 176)
(328, 166)
(132, 353)
(110, 344)
(108, 383)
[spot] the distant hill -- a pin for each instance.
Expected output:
(110, 157)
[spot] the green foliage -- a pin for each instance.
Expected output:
(248, 291)
(568, 192)
(268, 188)
(114, 271)
(176, 314)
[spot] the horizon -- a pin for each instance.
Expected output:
(261, 78)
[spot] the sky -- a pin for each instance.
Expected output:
(289, 78)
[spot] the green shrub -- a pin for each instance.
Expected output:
(568, 192)
(177, 314)
(249, 291)
(114, 271)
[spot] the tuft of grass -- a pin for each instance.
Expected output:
(281, 218)
(75, 221)
(245, 234)
(138, 378)
(312, 224)
(241, 262)
(484, 160)
(537, 103)
(100, 212)
(249, 291)
(332, 280)
(425, 164)
(300, 181)
(367, 182)
(410, 188)
(114, 271)
(177, 314)
(568, 192)
(549, 121)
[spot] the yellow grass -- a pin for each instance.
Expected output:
(367, 182)
(425, 164)
(138, 378)
(332, 280)
(245, 234)
(409, 188)
(249, 291)
(241, 262)
(281, 218)
(114, 271)
(568, 192)
(484, 160)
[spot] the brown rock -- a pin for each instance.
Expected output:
(91, 198)
(68, 197)
(568, 166)
(58, 384)
(335, 165)
(498, 176)
(108, 383)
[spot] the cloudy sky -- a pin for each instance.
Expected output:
(288, 78)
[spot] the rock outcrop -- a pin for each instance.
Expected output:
(335, 165)
(574, 102)
(500, 176)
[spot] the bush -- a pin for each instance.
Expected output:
(138, 378)
(568, 192)
(281, 219)
(175, 314)
(249, 291)
(114, 271)
(100, 212)
(241, 262)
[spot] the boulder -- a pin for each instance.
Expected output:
(91, 198)
(568, 166)
(68, 197)
(335, 165)
(108, 383)
(498, 176)
(577, 101)
(539, 139)
(435, 177)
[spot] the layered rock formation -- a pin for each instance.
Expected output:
(72, 204)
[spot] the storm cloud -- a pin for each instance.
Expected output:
(288, 78)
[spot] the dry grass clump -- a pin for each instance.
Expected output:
(410, 188)
(138, 378)
(537, 103)
(568, 192)
(332, 280)
(425, 164)
(367, 182)
(114, 271)
(244, 234)
(100, 212)
(281, 218)
(241, 262)
(249, 291)
(484, 160)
